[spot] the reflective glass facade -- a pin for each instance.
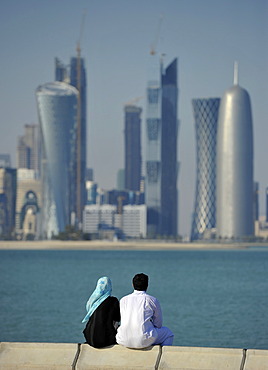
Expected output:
(206, 122)
(169, 164)
(161, 156)
(75, 75)
(8, 191)
(153, 154)
(57, 109)
(132, 147)
(82, 147)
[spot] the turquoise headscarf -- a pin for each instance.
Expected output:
(102, 291)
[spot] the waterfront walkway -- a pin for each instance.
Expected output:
(121, 245)
(60, 356)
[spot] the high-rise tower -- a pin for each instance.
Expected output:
(78, 79)
(5, 160)
(235, 165)
(75, 75)
(153, 153)
(57, 109)
(169, 164)
(61, 71)
(266, 204)
(161, 162)
(28, 148)
(132, 147)
(206, 122)
(8, 191)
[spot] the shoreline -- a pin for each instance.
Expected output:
(121, 245)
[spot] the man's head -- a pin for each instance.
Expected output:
(140, 282)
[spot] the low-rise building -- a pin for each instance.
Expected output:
(130, 221)
(28, 204)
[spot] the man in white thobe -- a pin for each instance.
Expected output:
(141, 318)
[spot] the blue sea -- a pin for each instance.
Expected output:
(209, 298)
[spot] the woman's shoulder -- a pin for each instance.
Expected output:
(112, 300)
(108, 303)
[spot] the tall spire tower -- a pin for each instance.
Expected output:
(235, 164)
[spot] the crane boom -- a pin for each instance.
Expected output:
(157, 35)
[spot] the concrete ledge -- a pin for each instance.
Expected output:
(117, 357)
(37, 355)
(256, 360)
(183, 358)
(61, 356)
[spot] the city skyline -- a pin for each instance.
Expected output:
(115, 43)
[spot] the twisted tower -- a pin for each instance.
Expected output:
(206, 122)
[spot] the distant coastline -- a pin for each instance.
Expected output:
(122, 245)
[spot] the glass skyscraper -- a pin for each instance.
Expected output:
(132, 147)
(81, 85)
(161, 152)
(8, 191)
(28, 149)
(75, 75)
(153, 153)
(169, 164)
(206, 123)
(57, 105)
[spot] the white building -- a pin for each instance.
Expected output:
(132, 222)
(96, 215)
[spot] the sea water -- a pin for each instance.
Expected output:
(208, 298)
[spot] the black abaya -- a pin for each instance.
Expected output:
(100, 331)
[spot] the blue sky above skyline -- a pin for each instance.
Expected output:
(207, 36)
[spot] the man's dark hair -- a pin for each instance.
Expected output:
(140, 282)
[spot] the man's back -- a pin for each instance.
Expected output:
(140, 316)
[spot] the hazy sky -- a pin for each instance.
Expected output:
(207, 36)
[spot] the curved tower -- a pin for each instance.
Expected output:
(206, 122)
(235, 165)
(57, 110)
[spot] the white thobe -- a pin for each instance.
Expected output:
(141, 315)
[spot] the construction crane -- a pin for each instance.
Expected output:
(133, 101)
(78, 48)
(157, 35)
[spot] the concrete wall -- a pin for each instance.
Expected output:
(54, 356)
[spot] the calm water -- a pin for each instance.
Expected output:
(208, 298)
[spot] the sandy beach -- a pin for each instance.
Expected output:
(121, 245)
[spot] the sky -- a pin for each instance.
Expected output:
(207, 37)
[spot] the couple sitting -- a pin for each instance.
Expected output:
(140, 315)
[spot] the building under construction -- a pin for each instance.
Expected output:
(75, 75)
